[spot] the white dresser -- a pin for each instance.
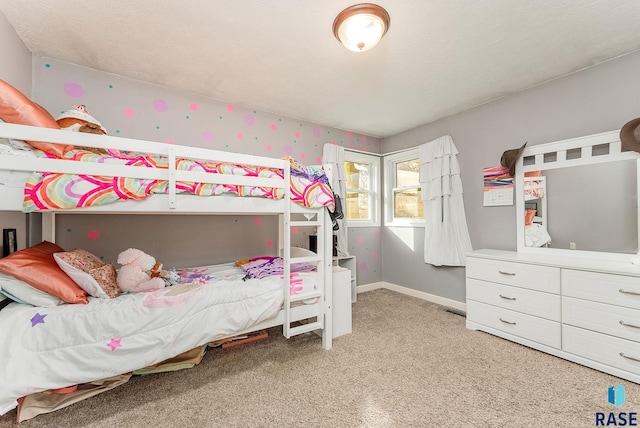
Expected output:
(584, 310)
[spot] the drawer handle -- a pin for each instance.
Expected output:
(510, 298)
(633, 293)
(629, 325)
(508, 322)
(507, 273)
(629, 358)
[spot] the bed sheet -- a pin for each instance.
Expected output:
(48, 348)
(44, 190)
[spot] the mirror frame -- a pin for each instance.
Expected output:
(554, 155)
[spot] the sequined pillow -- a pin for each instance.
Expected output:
(91, 274)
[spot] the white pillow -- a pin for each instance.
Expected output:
(15, 147)
(301, 252)
(84, 273)
(23, 292)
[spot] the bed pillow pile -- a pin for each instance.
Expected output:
(17, 108)
(37, 267)
(91, 274)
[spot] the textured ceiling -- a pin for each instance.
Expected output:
(439, 57)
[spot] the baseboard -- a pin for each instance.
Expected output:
(413, 293)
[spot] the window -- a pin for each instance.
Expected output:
(403, 193)
(362, 199)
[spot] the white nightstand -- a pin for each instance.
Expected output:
(341, 301)
(349, 262)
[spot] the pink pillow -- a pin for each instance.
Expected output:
(16, 108)
(37, 267)
(528, 216)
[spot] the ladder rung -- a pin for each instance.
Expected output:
(304, 259)
(304, 328)
(304, 296)
(304, 223)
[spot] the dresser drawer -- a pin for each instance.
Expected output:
(619, 353)
(601, 317)
(534, 277)
(618, 290)
(516, 323)
(537, 303)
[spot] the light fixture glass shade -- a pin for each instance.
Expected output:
(360, 27)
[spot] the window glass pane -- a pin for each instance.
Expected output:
(408, 173)
(357, 206)
(357, 175)
(408, 204)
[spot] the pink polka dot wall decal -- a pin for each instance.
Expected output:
(360, 239)
(93, 235)
(207, 136)
(258, 221)
(288, 149)
(274, 126)
(333, 141)
(296, 134)
(364, 138)
(128, 112)
(239, 136)
(348, 134)
(318, 159)
(160, 105)
(294, 230)
(249, 119)
(193, 107)
(302, 156)
(375, 254)
(268, 147)
(317, 132)
(73, 89)
(170, 142)
(269, 243)
(229, 107)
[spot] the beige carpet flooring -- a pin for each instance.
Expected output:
(408, 363)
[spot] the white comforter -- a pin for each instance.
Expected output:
(47, 348)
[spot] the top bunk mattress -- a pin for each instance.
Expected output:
(92, 180)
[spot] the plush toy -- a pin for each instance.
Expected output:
(135, 273)
(170, 277)
(78, 119)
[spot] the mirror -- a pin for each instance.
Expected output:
(591, 207)
(579, 194)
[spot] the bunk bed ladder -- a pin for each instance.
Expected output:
(307, 324)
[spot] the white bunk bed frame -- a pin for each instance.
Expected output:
(307, 317)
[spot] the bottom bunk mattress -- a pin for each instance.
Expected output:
(45, 348)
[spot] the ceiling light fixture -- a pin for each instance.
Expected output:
(360, 27)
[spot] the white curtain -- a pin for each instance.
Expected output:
(334, 155)
(446, 238)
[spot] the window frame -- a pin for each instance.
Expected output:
(374, 194)
(390, 162)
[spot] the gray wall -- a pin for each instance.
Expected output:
(136, 109)
(15, 68)
(598, 99)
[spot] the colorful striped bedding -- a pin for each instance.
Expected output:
(47, 191)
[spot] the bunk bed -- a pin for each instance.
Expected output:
(45, 348)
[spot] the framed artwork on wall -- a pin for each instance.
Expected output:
(9, 242)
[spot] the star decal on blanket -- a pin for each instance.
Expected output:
(115, 344)
(37, 319)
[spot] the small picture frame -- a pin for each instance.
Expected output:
(9, 242)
